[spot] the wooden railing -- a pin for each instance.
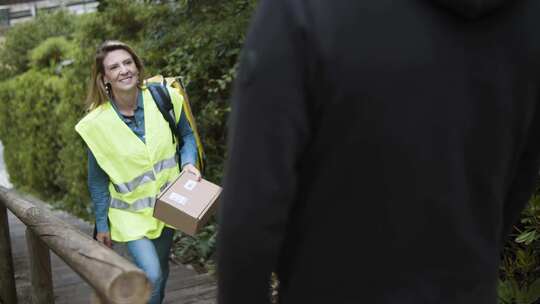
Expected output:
(113, 278)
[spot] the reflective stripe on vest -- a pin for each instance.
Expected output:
(147, 202)
(147, 176)
(165, 164)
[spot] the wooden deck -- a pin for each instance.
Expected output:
(185, 285)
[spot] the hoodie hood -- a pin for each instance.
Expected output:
(473, 9)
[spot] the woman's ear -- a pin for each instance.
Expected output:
(106, 85)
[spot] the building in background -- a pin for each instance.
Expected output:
(14, 11)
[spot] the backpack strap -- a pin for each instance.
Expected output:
(177, 83)
(158, 88)
(163, 102)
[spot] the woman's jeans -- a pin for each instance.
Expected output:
(152, 256)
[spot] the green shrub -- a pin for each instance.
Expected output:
(197, 251)
(29, 131)
(40, 106)
(520, 264)
(50, 53)
(72, 169)
(24, 37)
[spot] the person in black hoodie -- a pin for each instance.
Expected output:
(379, 150)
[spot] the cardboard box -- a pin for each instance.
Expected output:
(187, 204)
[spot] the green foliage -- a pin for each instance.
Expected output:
(207, 59)
(24, 37)
(71, 172)
(520, 265)
(51, 52)
(197, 250)
(510, 292)
(28, 123)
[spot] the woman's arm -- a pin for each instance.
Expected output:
(98, 185)
(188, 152)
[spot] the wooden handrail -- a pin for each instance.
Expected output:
(115, 279)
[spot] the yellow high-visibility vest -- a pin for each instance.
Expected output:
(137, 171)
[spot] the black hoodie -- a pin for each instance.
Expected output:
(474, 9)
(380, 150)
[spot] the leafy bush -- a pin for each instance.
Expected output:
(29, 131)
(197, 251)
(38, 109)
(50, 52)
(24, 37)
(520, 265)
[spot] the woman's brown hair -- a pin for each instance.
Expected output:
(98, 93)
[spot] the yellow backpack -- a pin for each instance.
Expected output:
(156, 85)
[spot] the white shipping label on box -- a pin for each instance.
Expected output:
(190, 185)
(177, 198)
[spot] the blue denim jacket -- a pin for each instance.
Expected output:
(98, 181)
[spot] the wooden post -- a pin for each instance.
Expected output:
(40, 269)
(8, 293)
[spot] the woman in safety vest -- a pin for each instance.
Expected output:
(131, 157)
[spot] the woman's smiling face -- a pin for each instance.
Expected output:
(120, 71)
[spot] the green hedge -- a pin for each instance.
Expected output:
(29, 131)
(24, 37)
